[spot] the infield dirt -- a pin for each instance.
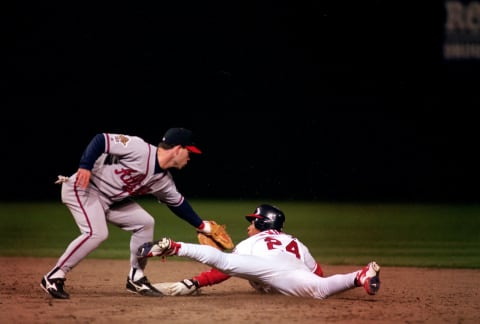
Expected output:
(98, 295)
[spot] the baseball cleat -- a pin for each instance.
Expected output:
(163, 247)
(54, 287)
(143, 287)
(369, 278)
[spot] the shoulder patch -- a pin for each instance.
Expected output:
(121, 139)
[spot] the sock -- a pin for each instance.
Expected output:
(56, 273)
(136, 274)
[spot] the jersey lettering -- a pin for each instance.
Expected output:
(271, 242)
(291, 247)
(132, 180)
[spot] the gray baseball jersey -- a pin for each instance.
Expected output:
(127, 168)
(122, 167)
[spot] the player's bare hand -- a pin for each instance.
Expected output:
(83, 177)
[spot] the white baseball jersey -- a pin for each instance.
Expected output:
(273, 259)
(272, 242)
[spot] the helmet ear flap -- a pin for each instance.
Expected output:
(260, 224)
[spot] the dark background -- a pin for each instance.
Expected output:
(310, 100)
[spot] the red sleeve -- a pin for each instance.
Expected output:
(318, 271)
(211, 277)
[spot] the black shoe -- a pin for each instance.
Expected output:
(54, 287)
(143, 287)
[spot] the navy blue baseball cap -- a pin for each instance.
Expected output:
(181, 136)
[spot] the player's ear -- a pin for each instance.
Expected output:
(176, 149)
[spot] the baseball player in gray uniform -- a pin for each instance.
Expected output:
(113, 169)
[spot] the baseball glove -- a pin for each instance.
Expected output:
(179, 288)
(218, 237)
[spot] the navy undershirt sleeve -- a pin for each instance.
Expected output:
(94, 149)
(186, 212)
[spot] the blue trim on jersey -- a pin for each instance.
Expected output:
(186, 212)
(92, 152)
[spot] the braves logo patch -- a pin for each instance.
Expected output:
(122, 139)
